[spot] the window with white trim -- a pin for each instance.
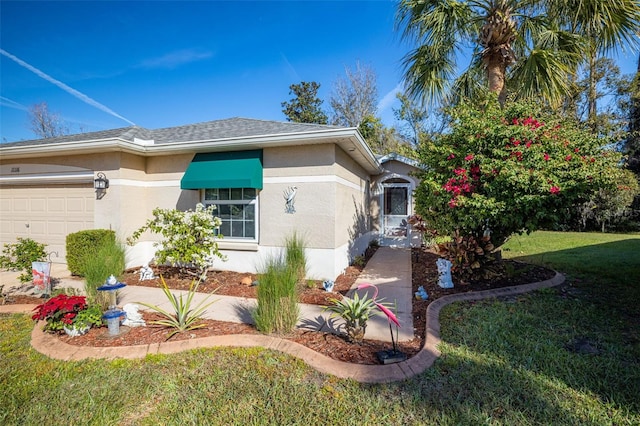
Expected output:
(238, 210)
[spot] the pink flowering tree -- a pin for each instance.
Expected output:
(512, 169)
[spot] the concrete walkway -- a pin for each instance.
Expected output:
(389, 269)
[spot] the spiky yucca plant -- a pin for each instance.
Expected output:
(355, 312)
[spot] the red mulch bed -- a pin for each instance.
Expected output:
(334, 346)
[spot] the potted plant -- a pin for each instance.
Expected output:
(70, 314)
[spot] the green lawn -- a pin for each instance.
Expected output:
(503, 362)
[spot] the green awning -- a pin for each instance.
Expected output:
(237, 169)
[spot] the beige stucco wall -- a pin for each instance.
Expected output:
(333, 193)
(352, 223)
(309, 169)
(137, 185)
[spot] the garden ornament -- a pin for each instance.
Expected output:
(444, 273)
(390, 315)
(289, 196)
(146, 273)
(421, 294)
(133, 318)
(394, 355)
(328, 285)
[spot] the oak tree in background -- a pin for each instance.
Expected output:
(305, 107)
(381, 139)
(45, 123)
(415, 117)
(610, 120)
(632, 143)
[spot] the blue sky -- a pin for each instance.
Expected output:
(104, 65)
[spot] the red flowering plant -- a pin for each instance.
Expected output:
(67, 311)
(510, 169)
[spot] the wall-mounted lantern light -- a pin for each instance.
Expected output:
(100, 184)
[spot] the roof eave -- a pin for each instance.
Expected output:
(349, 139)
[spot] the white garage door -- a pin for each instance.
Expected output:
(46, 215)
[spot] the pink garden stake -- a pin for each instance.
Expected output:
(387, 357)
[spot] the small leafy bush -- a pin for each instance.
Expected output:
(355, 312)
(184, 317)
(277, 309)
(84, 245)
(18, 256)
(189, 237)
(359, 261)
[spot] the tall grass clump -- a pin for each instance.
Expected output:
(295, 256)
(277, 310)
(109, 260)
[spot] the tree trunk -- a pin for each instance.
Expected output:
(592, 93)
(495, 74)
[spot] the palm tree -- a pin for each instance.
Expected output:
(515, 39)
(604, 25)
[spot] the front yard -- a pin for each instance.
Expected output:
(559, 356)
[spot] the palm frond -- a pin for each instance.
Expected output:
(543, 74)
(471, 84)
(429, 71)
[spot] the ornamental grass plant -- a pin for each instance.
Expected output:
(108, 260)
(296, 257)
(277, 310)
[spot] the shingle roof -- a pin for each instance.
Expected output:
(210, 130)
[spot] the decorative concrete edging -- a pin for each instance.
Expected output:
(49, 345)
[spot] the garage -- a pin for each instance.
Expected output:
(45, 214)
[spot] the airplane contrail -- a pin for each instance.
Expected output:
(84, 98)
(389, 98)
(12, 104)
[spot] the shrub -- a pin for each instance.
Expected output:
(84, 245)
(108, 260)
(513, 169)
(184, 317)
(359, 261)
(18, 256)
(277, 309)
(189, 237)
